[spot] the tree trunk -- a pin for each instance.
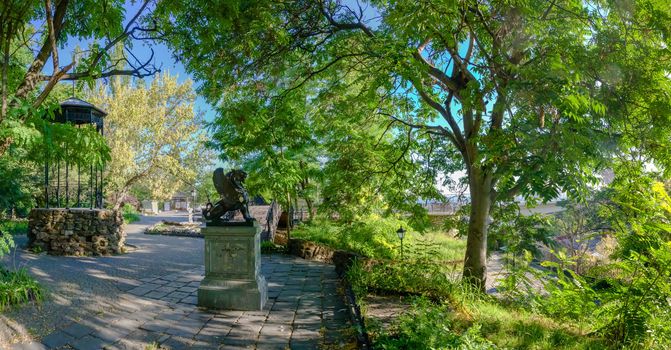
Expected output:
(289, 217)
(475, 261)
(308, 202)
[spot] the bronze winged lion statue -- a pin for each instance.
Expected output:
(233, 196)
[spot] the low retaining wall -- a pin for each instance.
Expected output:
(76, 231)
(312, 251)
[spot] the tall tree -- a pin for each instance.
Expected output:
(154, 133)
(527, 94)
(31, 33)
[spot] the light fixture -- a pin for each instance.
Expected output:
(401, 234)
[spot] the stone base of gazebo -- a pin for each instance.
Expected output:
(76, 231)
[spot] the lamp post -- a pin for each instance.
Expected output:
(401, 234)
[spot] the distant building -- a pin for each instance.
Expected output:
(181, 201)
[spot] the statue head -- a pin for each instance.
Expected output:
(238, 175)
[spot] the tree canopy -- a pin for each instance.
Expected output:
(527, 97)
(155, 135)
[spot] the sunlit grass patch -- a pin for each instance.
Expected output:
(483, 325)
(514, 328)
(375, 237)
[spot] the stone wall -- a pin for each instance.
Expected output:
(76, 231)
(312, 251)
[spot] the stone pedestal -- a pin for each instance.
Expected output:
(232, 268)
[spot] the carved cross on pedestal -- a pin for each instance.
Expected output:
(229, 251)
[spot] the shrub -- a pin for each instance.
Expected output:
(429, 326)
(6, 242)
(14, 227)
(423, 278)
(130, 215)
(17, 287)
(268, 247)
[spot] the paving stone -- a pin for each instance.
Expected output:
(156, 325)
(303, 311)
(156, 294)
(276, 329)
(183, 330)
(89, 342)
(178, 295)
(176, 343)
(305, 334)
(166, 289)
(239, 339)
(126, 344)
(127, 324)
(200, 315)
(57, 339)
(272, 344)
(77, 330)
(29, 346)
(304, 345)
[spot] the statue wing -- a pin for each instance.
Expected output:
(219, 180)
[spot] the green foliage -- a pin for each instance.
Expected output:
(626, 298)
(515, 233)
(428, 326)
(6, 242)
(19, 184)
(635, 308)
(527, 97)
(375, 236)
(14, 227)
(17, 287)
(130, 214)
(483, 324)
(570, 295)
(268, 247)
(155, 134)
(431, 279)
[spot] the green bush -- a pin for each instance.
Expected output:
(429, 326)
(17, 287)
(424, 278)
(130, 215)
(6, 242)
(14, 227)
(268, 247)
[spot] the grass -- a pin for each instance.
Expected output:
(268, 247)
(482, 324)
(18, 287)
(375, 237)
(14, 227)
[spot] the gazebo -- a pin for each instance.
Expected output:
(73, 220)
(79, 113)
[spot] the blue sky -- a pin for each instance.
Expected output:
(163, 59)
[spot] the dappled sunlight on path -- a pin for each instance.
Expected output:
(149, 294)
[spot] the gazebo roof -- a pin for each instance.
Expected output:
(75, 102)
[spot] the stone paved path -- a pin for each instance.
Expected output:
(157, 308)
